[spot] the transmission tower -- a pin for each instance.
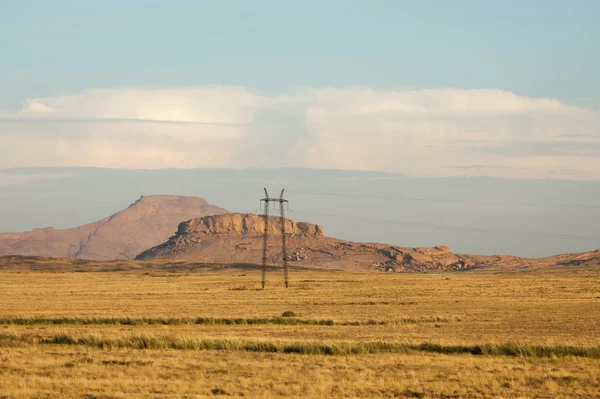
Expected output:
(282, 203)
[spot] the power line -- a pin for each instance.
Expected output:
(457, 201)
(446, 227)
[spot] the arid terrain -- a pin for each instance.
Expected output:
(187, 318)
(238, 238)
(156, 329)
(299, 199)
(149, 221)
(177, 228)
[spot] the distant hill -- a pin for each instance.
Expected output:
(207, 236)
(149, 221)
(474, 215)
(237, 238)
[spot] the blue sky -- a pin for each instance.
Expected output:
(532, 48)
(427, 88)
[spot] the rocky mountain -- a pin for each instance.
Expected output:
(147, 222)
(206, 234)
(237, 238)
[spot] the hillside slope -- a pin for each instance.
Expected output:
(148, 222)
(237, 238)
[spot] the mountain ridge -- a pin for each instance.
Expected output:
(147, 222)
(238, 238)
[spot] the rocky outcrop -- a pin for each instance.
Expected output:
(238, 238)
(233, 237)
(245, 223)
(420, 258)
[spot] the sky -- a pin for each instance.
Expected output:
(465, 88)
(531, 48)
(418, 89)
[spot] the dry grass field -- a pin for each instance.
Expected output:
(210, 333)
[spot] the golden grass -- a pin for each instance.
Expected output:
(165, 342)
(160, 334)
(79, 372)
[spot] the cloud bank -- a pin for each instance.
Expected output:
(445, 132)
(14, 179)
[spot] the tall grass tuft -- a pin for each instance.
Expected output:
(284, 319)
(164, 342)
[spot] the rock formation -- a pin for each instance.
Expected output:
(206, 234)
(245, 224)
(237, 238)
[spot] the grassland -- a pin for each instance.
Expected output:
(209, 333)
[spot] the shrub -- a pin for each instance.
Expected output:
(219, 391)
(289, 313)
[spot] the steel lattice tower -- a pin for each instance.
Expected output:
(283, 203)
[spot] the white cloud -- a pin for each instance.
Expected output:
(444, 132)
(214, 104)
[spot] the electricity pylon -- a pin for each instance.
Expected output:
(283, 203)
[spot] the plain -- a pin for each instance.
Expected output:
(154, 333)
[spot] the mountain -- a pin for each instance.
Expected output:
(237, 238)
(474, 215)
(206, 234)
(147, 222)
